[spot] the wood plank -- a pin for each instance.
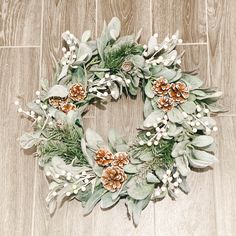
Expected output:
(222, 40)
(20, 22)
(68, 219)
(225, 177)
(124, 115)
(59, 16)
(17, 167)
(187, 16)
(193, 213)
(195, 59)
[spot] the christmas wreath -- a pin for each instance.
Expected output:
(174, 139)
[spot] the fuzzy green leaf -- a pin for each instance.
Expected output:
(151, 178)
(175, 115)
(189, 107)
(140, 191)
(108, 201)
(202, 141)
(57, 91)
(148, 89)
(28, 140)
(93, 200)
(153, 118)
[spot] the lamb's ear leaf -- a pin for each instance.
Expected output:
(28, 140)
(114, 28)
(93, 139)
(202, 141)
(153, 118)
(107, 200)
(175, 115)
(115, 139)
(140, 191)
(148, 89)
(57, 91)
(93, 200)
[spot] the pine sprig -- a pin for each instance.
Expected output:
(63, 142)
(115, 57)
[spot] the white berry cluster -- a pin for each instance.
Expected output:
(169, 181)
(103, 86)
(45, 119)
(70, 183)
(157, 132)
(197, 121)
(160, 54)
(70, 55)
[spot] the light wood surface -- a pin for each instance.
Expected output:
(30, 33)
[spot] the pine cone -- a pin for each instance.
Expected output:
(113, 177)
(127, 66)
(179, 92)
(67, 107)
(77, 93)
(161, 86)
(57, 101)
(120, 159)
(165, 103)
(104, 157)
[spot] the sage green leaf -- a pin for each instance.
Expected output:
(193, 82)
(202, 141)
(198, 93)
(184, 186)
(182, 165)
(147, 110)
(189, 107)
(159, 173)
(36, 108)
(151, 178)
(212, 97)
(72, 116)
(176, 77)
(175, 115)
(122, 148)
(179, 148)
(63, 72)
(137, 209)
(153, 118)
(138, 61)
(131, 169)
(140, 191)
(88, 157)
(148, 89)
(108, 201)
(115, 91)
(169, 74)
(93, 139)
(155, 70)
(209, 120)
(146, 156)
(114, 28)
(174, 130)
(93, 200)
(57, 91)
(84, 52)
(115, 138)
(28, 140)
(152, 43)
(201, 159)
(86, 36)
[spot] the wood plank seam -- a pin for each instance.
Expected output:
(36, 159)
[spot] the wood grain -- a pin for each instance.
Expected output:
(222, 41)
(124, 115)
(17, 168)
(192, 213)
(225, 177)
(20, 22)
(187, 16)
(59, 16)
(209, 209)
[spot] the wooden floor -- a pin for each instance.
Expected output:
(30, 33)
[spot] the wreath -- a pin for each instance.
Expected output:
(174, 139)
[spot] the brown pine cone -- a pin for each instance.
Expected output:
(161, 86)
(179, 92)
(67, 107)
(104, 157)
(127, 66)
(165, 103)
(120, 159)
(77, 92)
(113, 177)
(57, 101)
